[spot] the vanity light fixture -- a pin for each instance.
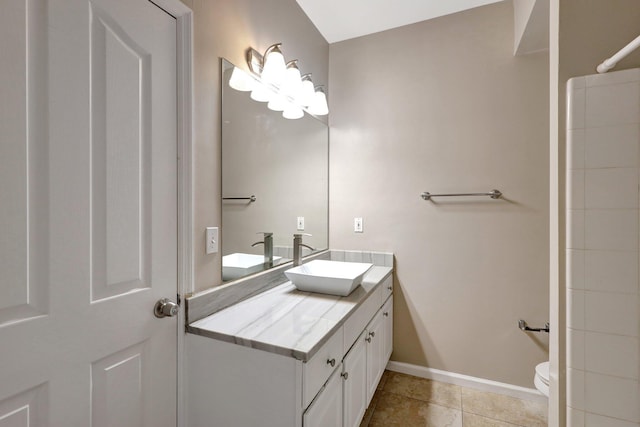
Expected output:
(318, 106)
(241, 81)
(307, 90)
(280, 84)
(274, 68)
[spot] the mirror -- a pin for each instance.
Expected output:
(274, 180)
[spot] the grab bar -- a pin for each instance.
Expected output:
(522, 324)
(251, 198)
(494, 194)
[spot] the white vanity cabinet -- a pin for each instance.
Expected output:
(387, 314)
(354, 376)
(375, 353)
(326, 410)
(231, 384)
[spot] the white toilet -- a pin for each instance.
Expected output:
(541, 379)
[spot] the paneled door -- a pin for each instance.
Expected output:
(88, 213)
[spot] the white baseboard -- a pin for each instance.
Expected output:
(468, 381)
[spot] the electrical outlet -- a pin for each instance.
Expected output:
(357, 225)
(300, 223)
(212, 240)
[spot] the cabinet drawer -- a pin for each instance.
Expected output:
(316, 371)
(356, 323)
(387, 288)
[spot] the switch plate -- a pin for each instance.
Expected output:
(212, 240)
(300, 223)
(357, 225)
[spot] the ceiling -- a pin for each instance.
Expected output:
(339, 20)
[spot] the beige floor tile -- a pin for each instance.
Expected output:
(366, 418)
(448, 395)
(472, 420)
(504, 408)
(395, 410)
(383, 380)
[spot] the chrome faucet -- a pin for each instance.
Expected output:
(297, 248)
(268, 247)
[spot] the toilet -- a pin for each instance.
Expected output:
(541, 379)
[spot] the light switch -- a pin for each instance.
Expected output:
(212, 240)
(300, 223)
(357, 225)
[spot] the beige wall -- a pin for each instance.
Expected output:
(225, 28)
(444, 106)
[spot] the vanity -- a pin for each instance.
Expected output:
(290, 358)
(259, 351)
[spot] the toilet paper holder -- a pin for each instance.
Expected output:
(522, 324)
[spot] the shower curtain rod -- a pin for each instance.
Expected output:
(611, 62)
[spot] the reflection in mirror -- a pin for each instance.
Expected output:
(274, 181)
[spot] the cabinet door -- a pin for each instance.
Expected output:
(375, 356)
(326, 409)
(354, 374)
(387, 318)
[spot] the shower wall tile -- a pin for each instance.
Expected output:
(611, 229)
(575, 349)
(611, 313)
(612, 105)
(575, 418)
(575, 388)
(577, 108)
(593, 420)
(613, 355)
(575, 229)
(576, 182)
(612, 396)
(576, 83)
(612, 271)
(576, 268)
(608, 188)
(611, 146)
(576, 149)
(625, 76)
(576, 305)
(603, 257)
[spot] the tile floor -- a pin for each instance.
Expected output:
(407, 401)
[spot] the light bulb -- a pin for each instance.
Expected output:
(261, 93)
(318, 106)
(274, 68)
(277, 103)
(307, 91)
(241, 81)
(292, 112)
(292, 84)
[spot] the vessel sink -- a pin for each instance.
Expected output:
(328, 277)
(239, 265)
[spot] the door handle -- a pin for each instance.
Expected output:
(165, 308)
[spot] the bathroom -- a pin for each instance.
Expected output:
(443, 106)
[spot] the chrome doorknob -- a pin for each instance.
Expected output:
(165, 308)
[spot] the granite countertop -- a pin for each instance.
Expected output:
(286, 321)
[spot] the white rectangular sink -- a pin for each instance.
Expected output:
(239, 265)
(328, 277)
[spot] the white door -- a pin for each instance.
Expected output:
(354, 368)
(87, 213)
(375, 349)
(326, 409)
